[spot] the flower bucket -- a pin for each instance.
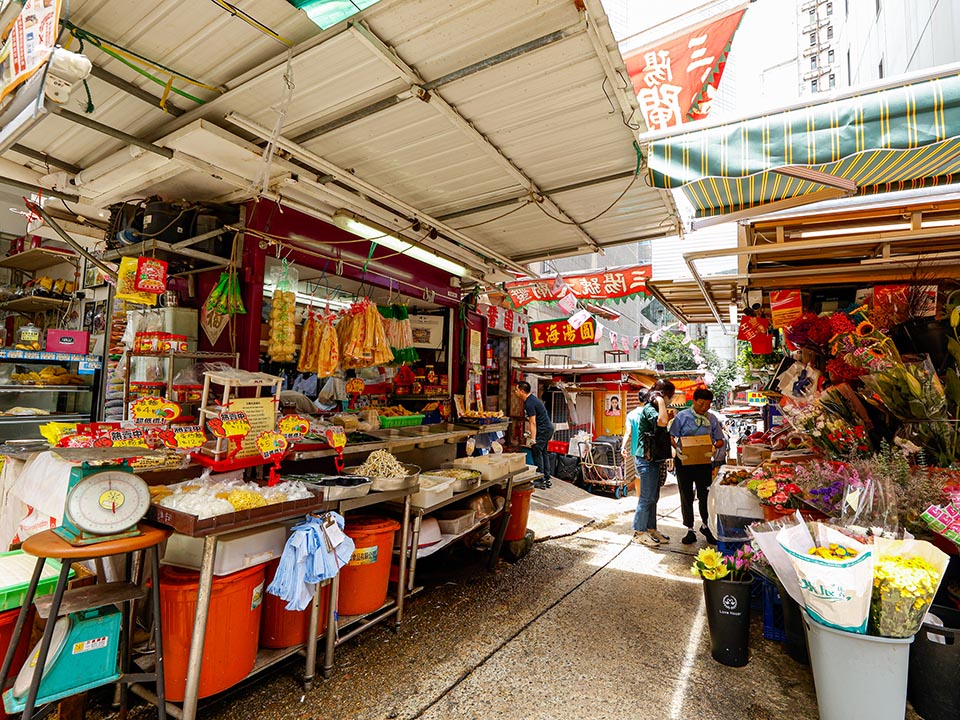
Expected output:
(858, 677)
(772, 512)
(728, 617)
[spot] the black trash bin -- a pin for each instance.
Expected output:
(933, 683)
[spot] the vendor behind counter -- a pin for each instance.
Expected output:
(300, 402)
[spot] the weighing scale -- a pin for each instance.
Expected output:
(103, 504)
(83, 655)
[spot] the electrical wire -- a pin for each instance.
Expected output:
(636, 174)
(252, 21)
(498, 217)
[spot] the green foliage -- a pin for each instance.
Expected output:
(677, 356)
(747, 360)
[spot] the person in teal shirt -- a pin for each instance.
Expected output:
(640, 424)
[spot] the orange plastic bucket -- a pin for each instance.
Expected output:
(8, 621)
(519, 513)
(282, 628)
(233, 628)
(364, 580)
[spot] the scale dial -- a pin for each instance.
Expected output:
(108, 502)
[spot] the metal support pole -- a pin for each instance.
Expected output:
(157, 632)
(414, 544)
(311, 666)
(402, 576)
(47, 639)
(34, 207)
(331, 636)
(21, 622)
(195, 662)
(111, 132)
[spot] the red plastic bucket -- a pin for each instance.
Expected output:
(364, 580)
(519, 513)
(233, 628)
(282, 628)
(8, 621)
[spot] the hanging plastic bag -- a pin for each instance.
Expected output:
(126, 284)
(151, 275)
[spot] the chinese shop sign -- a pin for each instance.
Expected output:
(676, 79)
(612, 284)
(503, 319)
(555, 334)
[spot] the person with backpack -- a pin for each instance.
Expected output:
(646, 438)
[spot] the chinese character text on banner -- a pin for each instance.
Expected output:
(610, 284)
(554, 334)
(675, 79)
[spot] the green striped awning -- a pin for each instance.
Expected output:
(893, 139)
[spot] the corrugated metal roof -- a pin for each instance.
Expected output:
(549, 118)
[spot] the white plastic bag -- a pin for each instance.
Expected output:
(835, 592)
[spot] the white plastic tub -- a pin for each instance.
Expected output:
(455, 522)
(236, 551)
(432, 490)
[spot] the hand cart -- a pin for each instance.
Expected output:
(603, 468)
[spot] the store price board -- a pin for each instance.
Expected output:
(91, 362)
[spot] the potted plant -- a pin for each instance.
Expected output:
(726, 592)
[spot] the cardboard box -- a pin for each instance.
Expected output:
(754, 454)
(68, 341)
(696, 450)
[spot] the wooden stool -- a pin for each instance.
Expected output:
(49, 545)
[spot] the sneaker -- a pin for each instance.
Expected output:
(645, 539)
(705, 531)
(659, 535)
(690, 538)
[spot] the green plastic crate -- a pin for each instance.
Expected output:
(16, 569)
(401, 421)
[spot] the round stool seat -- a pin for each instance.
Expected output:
(48, 544)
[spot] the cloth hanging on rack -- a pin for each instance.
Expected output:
(308, 558)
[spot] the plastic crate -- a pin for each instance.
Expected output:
(15, 565)
(773, 627)
(401, 421)
(729, 547)
(756, 593)
(733, 528)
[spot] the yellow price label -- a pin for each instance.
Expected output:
(154, 410)
(127, 438)
(336, 437)
(271, 443)
(293, 427)
(230, 424)
(184, 437)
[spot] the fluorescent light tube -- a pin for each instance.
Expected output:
(366, 229)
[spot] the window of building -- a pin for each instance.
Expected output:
(830, 57)
(813, 62)
(880, 70)
(813, 85)
(813, 39)
(829, 32)
(829, 8)
(833, 80)
(813, 14)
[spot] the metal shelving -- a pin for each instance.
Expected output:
(34, 303)
(37, 259)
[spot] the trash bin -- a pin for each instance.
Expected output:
(365, 579)
(933, 686)
(858, 677)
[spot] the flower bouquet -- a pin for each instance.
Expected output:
(775, 488)
(711, 565)
(906, 577)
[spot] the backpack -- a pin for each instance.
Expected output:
(656, 442)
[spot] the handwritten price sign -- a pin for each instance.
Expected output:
(293, 427)
(154, 410)
(336, 437)
(126, 438)
(230, 425)
(271, 444)
(184, 437)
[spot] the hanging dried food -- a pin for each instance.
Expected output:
(396, 325)
(363, 342)
(308, 344)
(328, 347)
(280, 347)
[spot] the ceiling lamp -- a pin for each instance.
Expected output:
(327, 13)
(370, 230)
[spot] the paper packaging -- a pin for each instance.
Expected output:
(696, 450)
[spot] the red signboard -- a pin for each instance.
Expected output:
(611, 284)
(785, 307)
(555, 334)
(676, 78)
(503, 319)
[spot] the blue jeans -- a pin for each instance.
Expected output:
(646, 516)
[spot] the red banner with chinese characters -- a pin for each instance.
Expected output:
(556, 334)
(611, 284)
(676, 79)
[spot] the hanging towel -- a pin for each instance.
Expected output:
(309, 558)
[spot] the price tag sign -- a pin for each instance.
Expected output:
(270, 444)
(154, 410)
(184, 437)
(293, 427)
(336, 437)
(126, 438)
(230, 425)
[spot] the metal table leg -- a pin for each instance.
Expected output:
(414, 544)
(192, 689)
(311, 666)
(21, 622)
(498, 540)
(47, 638)
(157, 631)
(402, 577)
(331, 637)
